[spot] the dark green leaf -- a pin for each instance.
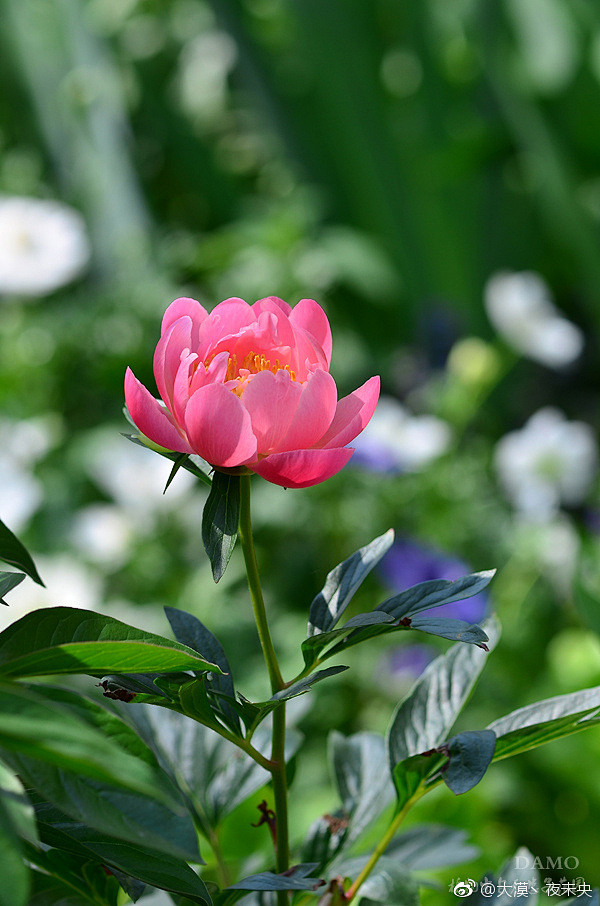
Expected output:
(470, 755)
(294, 879)
(435, 593)
(35, 726)
(431, 846)
(8, 581)
(425, 717)
(389, 882)
(188, 630)
(360, 769)
(545, 721)
(194, 464)
(410, 774)
(70, 640)
(342, 583)
(314, 644)
(303, 685)
(176, 467)
(16, 820)
(70, 880)
(220, 521)
(13, 552)
(456, 630)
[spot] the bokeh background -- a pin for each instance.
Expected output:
(430, 173)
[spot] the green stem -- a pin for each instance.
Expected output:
(277, 766)
(258, 604)
(383, 845)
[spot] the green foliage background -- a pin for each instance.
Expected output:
(385, 158)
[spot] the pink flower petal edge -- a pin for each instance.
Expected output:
(302, 468)
(149, 416)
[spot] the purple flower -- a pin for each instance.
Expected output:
(409, 662)
(407, 564)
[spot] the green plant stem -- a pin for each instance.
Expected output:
(222, 870)
(277, 766)
(382, 845)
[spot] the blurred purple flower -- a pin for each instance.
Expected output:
(409, 663)
(407, 563)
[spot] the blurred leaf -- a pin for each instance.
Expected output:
(220, 521)
(545, 721)
(35, 726)
(188, 630)
(193, 464)
(8, 581)
(214, 775)
(425, 717)
(343, 582)
(15, 813)
(13, 552)
(390, 882)
(517, 870)
(435, 593)
(296, 878)
(66, 879)
(470, 755)
(70, 640)
(431, 846)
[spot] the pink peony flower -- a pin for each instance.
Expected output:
(249, 385)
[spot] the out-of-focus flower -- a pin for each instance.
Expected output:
(407, 564)
(249, 385)
(397, 441)
(520, 307)
(549, 462)
(133, 478)
(43, 245)
(68, 584)
(103, 533)
(399, 667)
(22, 444)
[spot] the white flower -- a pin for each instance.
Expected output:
(548, 462)
(68, 584)
(22, 444)
(520, 307)
(396, 439)
(43, 245)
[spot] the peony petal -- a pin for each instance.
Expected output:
(167, 356)
(179, 308)
(149, 416)
(227, 319)
(271, 401)
(314, 412)
(272, 303)
(352, 415)
(181, 385)
(302, 468)
(219, 428)
(309, 315)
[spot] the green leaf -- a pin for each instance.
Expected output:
(364, 786)
(545, 721)
(314, 645)
(435, 593)
(342, 583)
(456, 630)
(16, 820)
(470, 755)
(8, 581)
(69, 880)
(70, 640)
(188, 630)
(176, 467)
(34, 725)
(302, 686)
(388, 883)
(425, 717)
(214, 775)
(431, 846)
(220, 521)
(410, 774)
(296, 878)
(194, 464)
(13, 552)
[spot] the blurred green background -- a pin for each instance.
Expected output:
(386, 158)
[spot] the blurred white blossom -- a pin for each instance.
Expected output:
(22, 444)
(204, 66)
(550, 461)
(43, 245)
(103, 534)
(68, 584)
(520, 307)
(134, 477)
(395, 439)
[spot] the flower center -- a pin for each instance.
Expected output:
(251, 364)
